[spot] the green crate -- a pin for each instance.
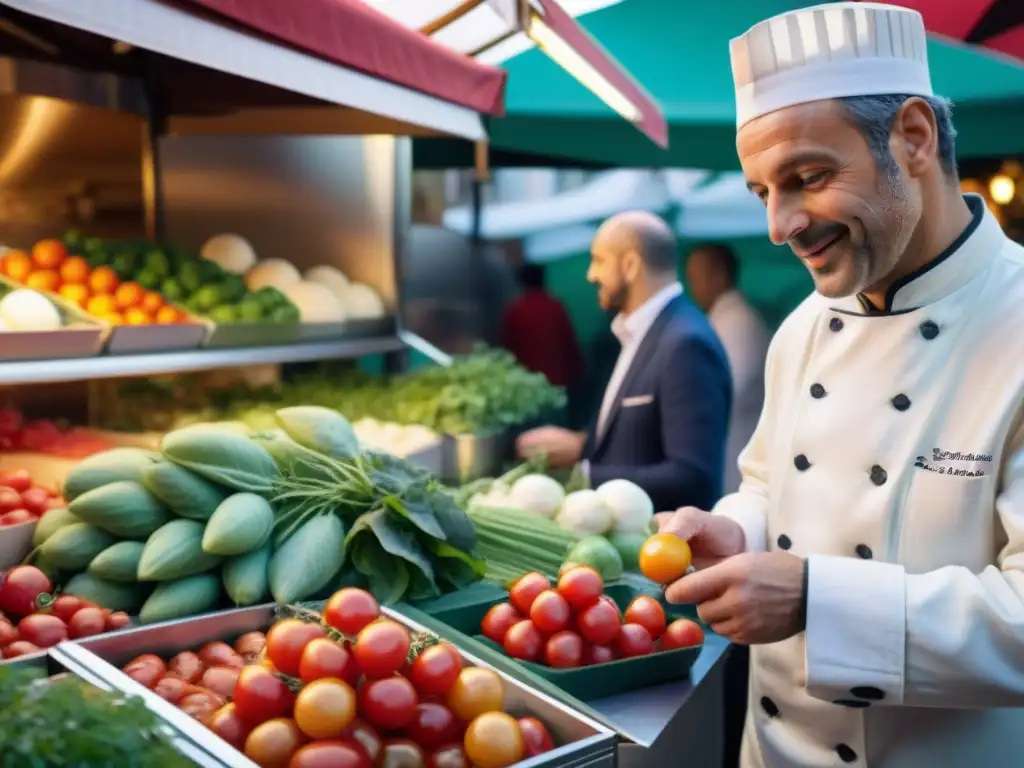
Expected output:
(463, 612)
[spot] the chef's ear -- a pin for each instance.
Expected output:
(631, 263)
(916, 134)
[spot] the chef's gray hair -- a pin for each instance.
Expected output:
(873, 116)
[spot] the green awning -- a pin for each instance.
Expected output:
(679, 51)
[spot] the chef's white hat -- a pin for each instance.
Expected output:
(827, 52)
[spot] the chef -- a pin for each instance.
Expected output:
(874, 554)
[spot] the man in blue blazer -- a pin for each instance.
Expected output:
(665, 413)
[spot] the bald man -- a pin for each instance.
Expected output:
(664, 417)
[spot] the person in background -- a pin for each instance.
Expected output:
(712, 272)
(536, 328)
(663, 419)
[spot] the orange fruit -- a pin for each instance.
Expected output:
(103, 280)
(113, 318)
(152, 302)
(46, 280)
(16, 262)
(74, 270)
(101, 305)
(48, 254)
(75, 293)
(136, 316)
(128, 295)
(168, 315)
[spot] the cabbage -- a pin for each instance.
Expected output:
(537, 493)
(585, 513)
(631, 508)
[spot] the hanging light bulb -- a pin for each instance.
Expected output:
(1002, 189)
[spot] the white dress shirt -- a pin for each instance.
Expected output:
(745, 338)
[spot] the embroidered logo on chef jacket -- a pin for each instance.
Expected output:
(955, 463)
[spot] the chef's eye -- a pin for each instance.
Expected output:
(813, 180)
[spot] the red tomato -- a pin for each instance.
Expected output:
(272, 744)
(564, 650)
(220, 680)
(35, 500)
(433, 725)
(613, 605)
(20, 648)
(350, 610)
(381, 649)
(43, 630)
(226, 723)
(8, 634)
(536, 737)
(648, 613)
(365, 736)
(633, 640)
(260, 696)
(597, 654)
(66, 606)
(682, 633)
(435, 670)
(145, 671)
(523, 641)
(21, 588)
(250, 644)
(200, 703)
(525, 591)
(401, 753)
(188, 666)
(18, 479)
(550, 612)
(581, 587)
(17, 517)
(330, 753)
(10, 500)
(599, 624)
(171, 688)
(388, 704)
(323, 657)
(220, 655)
(285, 642)
(498, 620)
(87, 622)
(448, 756)
(117, 620)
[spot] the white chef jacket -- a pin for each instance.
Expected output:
(745, 338)
(890, 454)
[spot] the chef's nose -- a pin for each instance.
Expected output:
(786, 218)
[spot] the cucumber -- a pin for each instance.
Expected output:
(118, 562)
(227, 459)
(174, 552)
(187, 494)
(242, 523)
(245, 577)
(320, 429)
(107, 467)
(308, 559)
(124, 508)
(50, 523)
(117, 596)
(73, 547)
(182, 597)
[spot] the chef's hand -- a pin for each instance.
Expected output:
(562, 447)
(711, 537)
(751, 598)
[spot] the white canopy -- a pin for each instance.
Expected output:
(724, 208)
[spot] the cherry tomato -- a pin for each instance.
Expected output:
(550, 612)
(498, 620)
(448, 756)
(381, 648)
(633, 640)
(564, 650)
(21, 588)
(325, 708)
(17, 517)
(336, 753)
(87, 622)
(220, 655)
(365, 736)
(664, 557)
(597, 654)
(323, 657)
(525, 591)
(581, 587)
(523, 641)
(433, 725)
(286, 640)
(350, 610)
(477, 690)
(221, 680)
(43, 630)
(171, 688)
(19, 480)
(434, 671)
(20, 648)
(10, 500)
(117, 620)
(599, 624)
(200, 703)
(272, 744)
(145, 672)
(388, 704)
(188, 666)
(682, 633)
(35, 500)
(493, 740)
(65, 606)
(648, 613)
(8, 634)
(260, 696)
(536, 737)
(250, 644)
(226, 723)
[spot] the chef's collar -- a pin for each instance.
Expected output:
(636, 324)
(966, 256)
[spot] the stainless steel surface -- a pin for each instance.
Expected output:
(469, 457)
(580, 737)
(136, 339)
(431, 458)
(37, 661)
(109, 366)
